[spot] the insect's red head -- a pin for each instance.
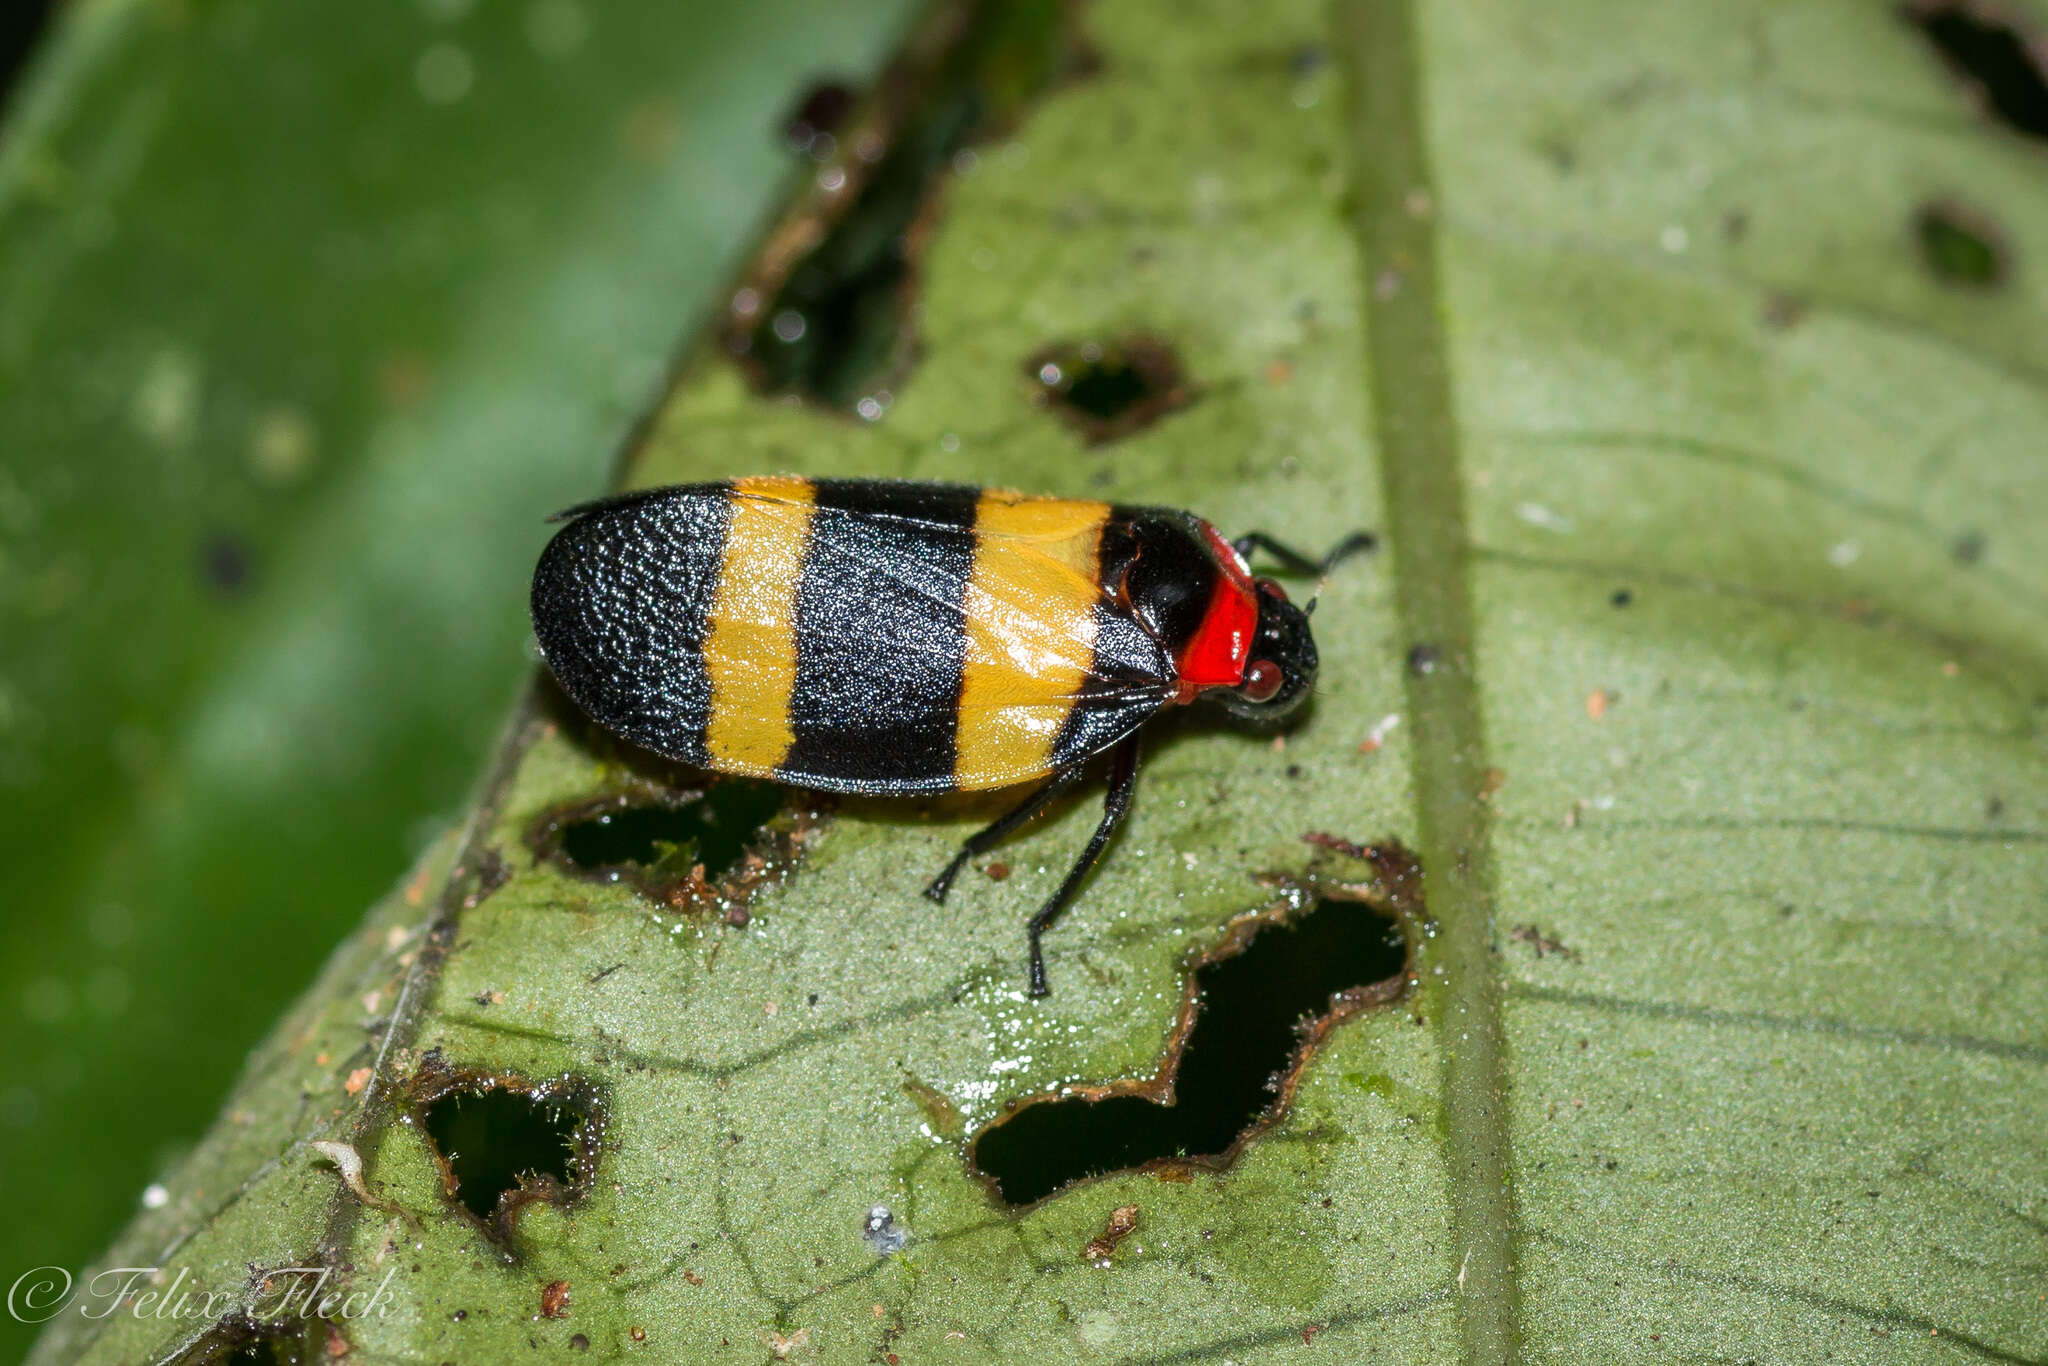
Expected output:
(1280, 671)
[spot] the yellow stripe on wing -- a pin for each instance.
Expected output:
(1030, 609)
(750, 650)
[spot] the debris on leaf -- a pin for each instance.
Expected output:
(349, 1163)
(1123, 1221)
(883, 1233)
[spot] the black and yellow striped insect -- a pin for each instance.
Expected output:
(894, 638)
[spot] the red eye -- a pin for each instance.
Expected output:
(1262, 681)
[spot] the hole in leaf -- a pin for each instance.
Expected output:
(496, 1142)
(713, 831)
(239, 1342)
(1959, 244)
(2000, 63)
(504, 1142)
(818, 115)
(1106, 390)
(715, 846)
(1257, 1009)
(824, 311)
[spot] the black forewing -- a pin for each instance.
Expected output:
(622, 600)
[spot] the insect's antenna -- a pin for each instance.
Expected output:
(1357, 543)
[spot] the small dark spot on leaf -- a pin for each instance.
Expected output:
(1108, 390)
(1255, 1011)
(578, 1343)
(1542, 943)
(226, 564)
(1783, 310)
(1622, 597)
(1424, 659)
(818, 115)
(1959, 244)
(1998, 62)
(1559, 151)
(1735, 225)
(1968, 548)
(1994, 807)
(1308, 59)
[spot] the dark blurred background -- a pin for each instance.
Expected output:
(309, 315)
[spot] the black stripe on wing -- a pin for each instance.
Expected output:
(621, 603)
(881, 636)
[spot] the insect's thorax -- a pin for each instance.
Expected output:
(1190, 589)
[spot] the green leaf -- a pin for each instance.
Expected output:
(1703, 673)
(299, 349)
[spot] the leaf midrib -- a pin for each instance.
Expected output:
(1408, 378)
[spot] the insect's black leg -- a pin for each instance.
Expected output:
(1296, 562)
(1123, 779)
(984, 840)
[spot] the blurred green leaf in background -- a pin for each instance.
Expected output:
(309, 315)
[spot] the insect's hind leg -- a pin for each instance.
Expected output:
(1296, 562)
(1123, 780)
(999, 829)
